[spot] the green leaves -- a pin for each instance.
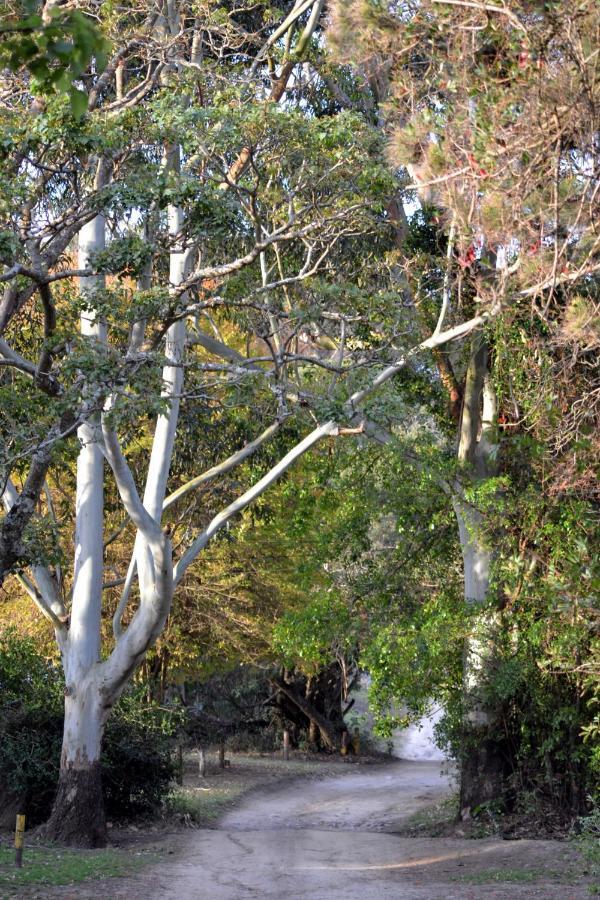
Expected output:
(55, 52)
(126, 256)
(9, 246)
(312, 636)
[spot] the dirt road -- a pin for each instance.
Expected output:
(334, 840)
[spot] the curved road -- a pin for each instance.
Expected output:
(334, 840)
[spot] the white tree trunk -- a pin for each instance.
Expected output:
(83, 649)
(84, 724)
(78, 816)
(477, 558)
(78, 812)
(481, 762)
(166, 424)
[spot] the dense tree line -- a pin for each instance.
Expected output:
(230, 233)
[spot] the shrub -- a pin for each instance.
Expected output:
(30, 743)
(136, 762)
(137, 759)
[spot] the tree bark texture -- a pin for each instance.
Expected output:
(78, 817)
(483, 759)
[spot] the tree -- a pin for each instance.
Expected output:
(221, 207)
(492, 111)
(55, 45)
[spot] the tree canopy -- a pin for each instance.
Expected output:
(298, 364)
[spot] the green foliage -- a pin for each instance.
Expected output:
(137, 757)
(538, 636)
(9, 246)
(308, 637)
(417, 660)
(56, 52)
(136, 765)
(126, 256)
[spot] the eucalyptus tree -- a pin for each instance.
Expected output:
(211, 228)
(492, 114)
(54, 44)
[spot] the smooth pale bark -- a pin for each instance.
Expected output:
(78, 812)
(84, 632)
(84, 722)
(93, 687)
(166, 424)
(78, 816)
(482, 764)
(155, 578)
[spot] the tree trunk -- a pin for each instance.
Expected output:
(328, 734)
(482, 772)
(78, 818)
(482, 760)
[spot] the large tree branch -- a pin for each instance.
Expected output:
(44, 591)
(223, 467)
(154, 559)
(328, 734)
(328, 429)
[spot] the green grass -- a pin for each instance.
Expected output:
(201, 806)
(55, 866)
(514, 876)
(432, 820)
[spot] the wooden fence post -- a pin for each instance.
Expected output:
(202, 763)
(345, 743)
(19, 839)
(221, 755)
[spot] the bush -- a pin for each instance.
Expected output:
(136, 761)
(30, 727)
(30, 743)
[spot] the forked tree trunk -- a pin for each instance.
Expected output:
(78, 817)
(482, 762)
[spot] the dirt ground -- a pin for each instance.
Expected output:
(336, 838)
